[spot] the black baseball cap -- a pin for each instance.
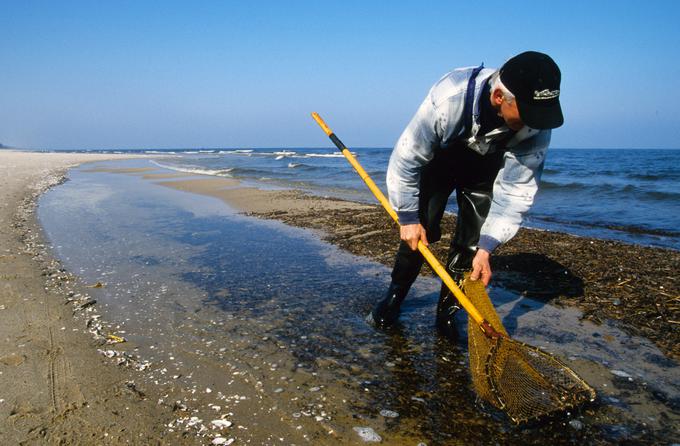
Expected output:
(534, 79)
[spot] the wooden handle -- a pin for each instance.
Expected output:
(424, 250)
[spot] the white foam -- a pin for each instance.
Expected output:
(236, 152)
(197, 170)
(326, 155)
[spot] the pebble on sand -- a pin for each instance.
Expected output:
(368, 434)
(221, 423)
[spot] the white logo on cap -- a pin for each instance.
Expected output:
(546, 94)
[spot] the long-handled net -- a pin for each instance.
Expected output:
(522, 380)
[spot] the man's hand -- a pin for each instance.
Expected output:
(481, 267)
(411, 234)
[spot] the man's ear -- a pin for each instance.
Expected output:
(497, 97)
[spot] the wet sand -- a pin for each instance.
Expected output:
(54, 387)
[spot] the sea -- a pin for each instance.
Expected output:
(629, 195)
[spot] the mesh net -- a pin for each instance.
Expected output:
(522, 380)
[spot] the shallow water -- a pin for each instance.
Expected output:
(263, 325)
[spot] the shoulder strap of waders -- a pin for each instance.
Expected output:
(470, 100)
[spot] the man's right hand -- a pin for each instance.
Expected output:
(411, 234)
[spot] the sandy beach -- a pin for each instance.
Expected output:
(57, 387)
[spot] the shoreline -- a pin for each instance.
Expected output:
(55, 386)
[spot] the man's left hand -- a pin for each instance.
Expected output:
(481, 268)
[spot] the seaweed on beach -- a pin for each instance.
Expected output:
(636, 285)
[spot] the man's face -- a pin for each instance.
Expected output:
(510, 114)
(507, 110)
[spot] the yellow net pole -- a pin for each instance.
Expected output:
(424, 250)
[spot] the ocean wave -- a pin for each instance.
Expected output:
(563, 186)
(281, 154)
(661, 176)
(631, 229)
(594, 189)
(325, 155)
(197, 170)
(236, 151)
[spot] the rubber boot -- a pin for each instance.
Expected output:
(386, 312)
(447, 307)
(473, 207)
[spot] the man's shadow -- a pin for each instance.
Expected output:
(538, 279)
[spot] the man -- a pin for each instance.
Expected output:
(483, 133)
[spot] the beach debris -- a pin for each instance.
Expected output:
(87, 303)
(96, 285)
(222, 440)
(368, 434)
(113, 339)
(126, 359)
(133, 388)
(389, 413)
(190, 423)
(179, 405)
(108, 353)
(93, 320)
(221, 424)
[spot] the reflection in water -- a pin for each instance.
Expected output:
(263, 326)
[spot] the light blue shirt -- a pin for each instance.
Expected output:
(437, 123)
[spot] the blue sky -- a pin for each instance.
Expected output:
(133, 74)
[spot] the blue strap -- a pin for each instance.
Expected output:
(470, 99)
